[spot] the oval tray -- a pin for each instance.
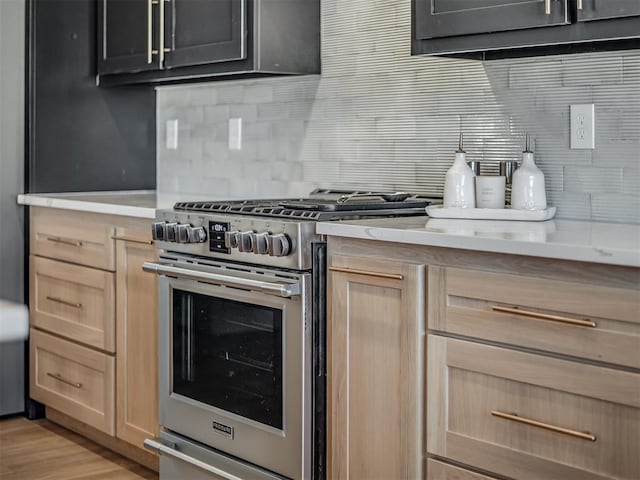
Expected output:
(438, 211)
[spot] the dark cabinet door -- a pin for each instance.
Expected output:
(127, 36)
(604, 9)
(205, 31)
(448, 18)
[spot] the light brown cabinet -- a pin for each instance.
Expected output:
(533, 376)
(137, 327)
(375, 369)
(524, 415)
(94, 326)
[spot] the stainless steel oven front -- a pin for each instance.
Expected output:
(235, 360)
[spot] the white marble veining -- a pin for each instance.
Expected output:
(136, 203)
(598, 242)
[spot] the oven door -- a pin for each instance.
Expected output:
(235, 360)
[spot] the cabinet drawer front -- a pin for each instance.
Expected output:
(75, 380)
(571, 318)
(529, 416)
(75, 237)
(73, 301)
(442, 471)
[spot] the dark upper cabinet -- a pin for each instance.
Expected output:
(126, 36)
(205, 31)
(510, 28)
(603, 9)
(446, 18)
(178, 40)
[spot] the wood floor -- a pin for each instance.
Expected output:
(41, 450)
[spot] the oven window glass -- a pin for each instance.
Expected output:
(228, 354)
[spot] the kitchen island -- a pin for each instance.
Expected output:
(479, 350)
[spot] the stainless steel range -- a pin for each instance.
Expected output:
(242, 316)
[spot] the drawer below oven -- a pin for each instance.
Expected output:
(183, 458)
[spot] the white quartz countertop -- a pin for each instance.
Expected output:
(136, 203)
(598, 242)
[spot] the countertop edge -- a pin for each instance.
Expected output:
(41, 200)
(581, 253)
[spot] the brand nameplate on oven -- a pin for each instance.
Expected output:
(223, 429)
(216, 237)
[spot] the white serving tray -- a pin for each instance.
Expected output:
(438, 211)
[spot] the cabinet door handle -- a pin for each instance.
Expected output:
(534, 423)
(150, 51)
(60, 378)
(161, 32)
(545, 316)
(579, 4)
(547, 7)
(64, 302)
(393, 276)
(125, 238)
(72, 243)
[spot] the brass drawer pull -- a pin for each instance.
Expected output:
(64, 302)
(545, 316)
(527, 421)
(60, 378)
(132, 239)
(73, 243)
(392, 276)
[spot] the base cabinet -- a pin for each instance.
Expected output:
(375, 359)
(136, 342)
(93, 342)
(526, 375)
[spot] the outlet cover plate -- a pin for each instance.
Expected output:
(583, 126)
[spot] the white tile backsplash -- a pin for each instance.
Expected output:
(378, 117)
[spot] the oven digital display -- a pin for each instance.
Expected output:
(216, 237)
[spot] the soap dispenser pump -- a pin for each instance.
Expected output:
(527, 187)
(459, 185)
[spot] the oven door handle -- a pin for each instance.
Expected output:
(162, 449)
(270, 288)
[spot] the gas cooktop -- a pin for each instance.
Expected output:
(321, 205)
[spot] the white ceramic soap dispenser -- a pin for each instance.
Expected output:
(527, 187)
(459, 184)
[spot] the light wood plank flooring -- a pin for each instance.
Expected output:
(41, 450)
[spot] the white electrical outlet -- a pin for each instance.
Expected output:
(235, 133)
(172, 135)
(583, 126)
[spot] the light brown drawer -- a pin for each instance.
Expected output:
(73, 301)
(77, 237)
(443, 471)
(73, 379)
(528, 416)
(570, 318)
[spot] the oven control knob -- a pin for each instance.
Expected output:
(231, 239)
(182, 235)
(158, 230)
(245, 241)
(171, 232)
(261, 243)
(197, 235)
(279, 245)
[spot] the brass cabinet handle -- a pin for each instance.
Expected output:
(579, 4)
(150, 51)
(534, 423)
(73, 243)
(393, 276)
(132, 239)
(64, 302)
(545, 316)
(547, 7)
(161, 49)
(60, 378)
